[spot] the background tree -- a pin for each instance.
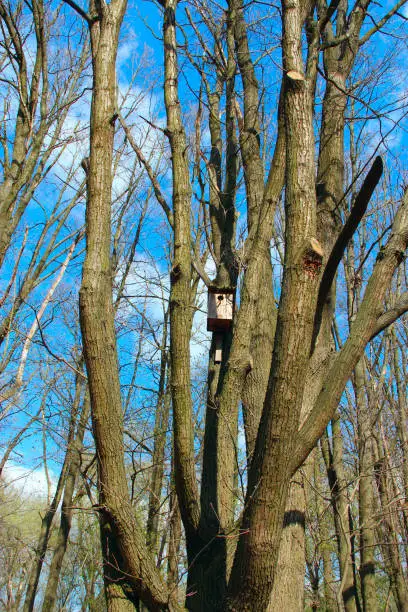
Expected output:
(233, 218)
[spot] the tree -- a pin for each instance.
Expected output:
(279, 361)
(314, 245)
(121, 535)
(40, 90)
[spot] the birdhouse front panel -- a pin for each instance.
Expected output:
(220, 310)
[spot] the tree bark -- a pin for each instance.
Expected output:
(160, 434)
(181, 307)
(388, 534)
(366, 494)
(122, 536)
(288, 587)
(333, 458)
(74, 461)
(255, 561)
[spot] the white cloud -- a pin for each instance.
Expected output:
(127, 51)
(29, 482)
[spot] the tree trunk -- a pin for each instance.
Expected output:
(160, 433)
(255, 561)
(181, 307)
(366, 494)
(74, 460)
(338, 487)
(122, 535)
(174, 548)
(387, 533)
(288, 588)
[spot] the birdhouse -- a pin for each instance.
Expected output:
(220, 309)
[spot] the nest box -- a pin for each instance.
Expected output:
(220, 309)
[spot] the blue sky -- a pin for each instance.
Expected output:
(140, 63)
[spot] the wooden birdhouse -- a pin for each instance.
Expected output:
(220, 309)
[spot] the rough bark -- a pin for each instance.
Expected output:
(366, 494)
(388, 260)
(255, 561)
(174, 548)
(74, 460)
(263, 333)
(288, 587)
(160, 434)
(124, 536)
(333, 458)
(181, 307)
(330, 180)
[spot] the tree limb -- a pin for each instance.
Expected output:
(80, 11)
(382, 22)
(391, 315)
(364, 327)
(153, 179)
(356, 214)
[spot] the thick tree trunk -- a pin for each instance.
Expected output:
(122, 534)
(207, 579)
(331, 175)
(248, 363)
(288, 588)
(255, 561)
(254, 391)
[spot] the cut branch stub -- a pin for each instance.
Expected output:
(311, 256)
(294, 75)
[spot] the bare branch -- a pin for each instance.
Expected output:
(364, 327)
(382, 22)
(39, 314)
(391, 315)
(356, 214)
(153, 179)
(198, 267)
(80, 11)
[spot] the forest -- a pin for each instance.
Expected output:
(203, 297)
